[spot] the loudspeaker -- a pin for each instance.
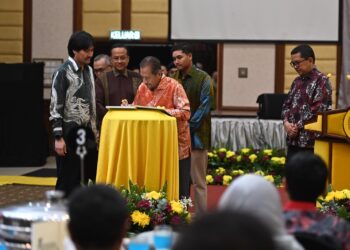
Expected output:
(270, 105)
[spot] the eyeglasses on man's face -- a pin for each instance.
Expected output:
(295, 64)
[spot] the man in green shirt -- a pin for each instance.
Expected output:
(199, 89)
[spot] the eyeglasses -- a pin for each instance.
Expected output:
(295, 64)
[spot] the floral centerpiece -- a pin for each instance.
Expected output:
(225, 165)
(336, 203)
(150, 208)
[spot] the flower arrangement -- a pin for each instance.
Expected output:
(336, 203)
(225, 165)
(148, 209)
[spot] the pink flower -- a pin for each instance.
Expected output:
(157, 219)
(175, 220)
(144, 204)
(218, 179)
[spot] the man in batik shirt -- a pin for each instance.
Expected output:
(73, 106)
(310, 92)
(159, 90)
(306, 180)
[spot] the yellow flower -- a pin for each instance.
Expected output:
(279, 160)
(220, 171)
(210, 155)
(283, 160)
(222, 150)
(339, 195)
(239, 158)
(330, 196)
(153, 195)
(347, 193)
(176, 207)
(318, 205)
(245, 150)
(269, 178)
(229, 154)
(237, 172)
(252, 157)
(329, 75)
(259, 172)
(209, 178)
(268, 152)
(226, 180)
(140, 218)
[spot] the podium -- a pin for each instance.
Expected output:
(140, 145)
(333, 145)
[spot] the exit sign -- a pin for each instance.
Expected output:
(125, 35)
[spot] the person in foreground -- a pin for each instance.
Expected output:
(72, 106)
(253, 194)
(305, 181)
(225, 230)
(199, 89)
(160, 90)
(310, 92)
(98, 218)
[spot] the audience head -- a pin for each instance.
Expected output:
(306, 177)
(225, 230)
(150, 70)
(81, 47)
(98, 218)
(182, 56)
(102, 63)
(253, 194)
(303, 59)
(120, 57)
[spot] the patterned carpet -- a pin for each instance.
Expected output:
(13, 194)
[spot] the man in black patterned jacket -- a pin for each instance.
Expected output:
(72, 106)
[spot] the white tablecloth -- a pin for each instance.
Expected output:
(236, 133)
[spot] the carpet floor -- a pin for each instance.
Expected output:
(14, 194)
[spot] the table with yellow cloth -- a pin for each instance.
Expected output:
(140, 145)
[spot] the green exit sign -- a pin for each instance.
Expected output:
(125, 35)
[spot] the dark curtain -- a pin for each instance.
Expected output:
(23, 139)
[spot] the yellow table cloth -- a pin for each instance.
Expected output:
(140, 145)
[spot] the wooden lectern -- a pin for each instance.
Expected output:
(333, 145)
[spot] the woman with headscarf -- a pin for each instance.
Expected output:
(253, 194)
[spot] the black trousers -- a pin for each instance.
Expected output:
(293, 150)
(184, 177)
(69, 173)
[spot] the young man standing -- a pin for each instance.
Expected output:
(72, 106)
(199, 89)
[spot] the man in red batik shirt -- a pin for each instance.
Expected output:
(160, 90)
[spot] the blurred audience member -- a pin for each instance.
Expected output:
(102, 63)
(253, 194)
(226, 230)
(98, 218)
(306, 180)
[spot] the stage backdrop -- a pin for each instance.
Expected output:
(23, 139)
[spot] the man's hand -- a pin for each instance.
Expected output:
(60, 147)
(291, 129)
